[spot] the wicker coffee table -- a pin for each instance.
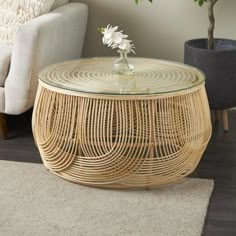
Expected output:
(97, 129)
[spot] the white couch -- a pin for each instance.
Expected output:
(53, 37)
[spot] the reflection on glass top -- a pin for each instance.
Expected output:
(151, 76)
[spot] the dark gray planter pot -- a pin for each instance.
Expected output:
(219, 65)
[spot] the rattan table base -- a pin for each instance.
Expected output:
(121, 141)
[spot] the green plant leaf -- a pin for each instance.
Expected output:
(137, 1)
(200, 2)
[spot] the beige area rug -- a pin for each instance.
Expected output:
(35, 202)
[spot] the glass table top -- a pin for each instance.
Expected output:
(94, 75)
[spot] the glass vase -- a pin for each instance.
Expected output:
(122, 66)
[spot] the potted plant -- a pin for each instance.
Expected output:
(216, 57)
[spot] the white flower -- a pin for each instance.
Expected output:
(108, 33)
(126, 45)
(118, 37)
(115, 39)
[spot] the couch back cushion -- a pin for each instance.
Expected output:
(14, 13)
(58, 3)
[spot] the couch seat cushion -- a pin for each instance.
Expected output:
(14, 13)
(5, 60)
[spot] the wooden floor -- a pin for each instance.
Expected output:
(218, 163)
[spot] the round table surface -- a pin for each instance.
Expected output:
(94, 75)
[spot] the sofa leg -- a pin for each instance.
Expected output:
(217, 115)
(225, 120)
(3, 126)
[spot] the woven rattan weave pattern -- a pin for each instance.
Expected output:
(120, 141)
(151, 76)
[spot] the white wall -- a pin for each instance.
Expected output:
(158, 30)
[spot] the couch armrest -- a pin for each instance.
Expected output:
(50, 38)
